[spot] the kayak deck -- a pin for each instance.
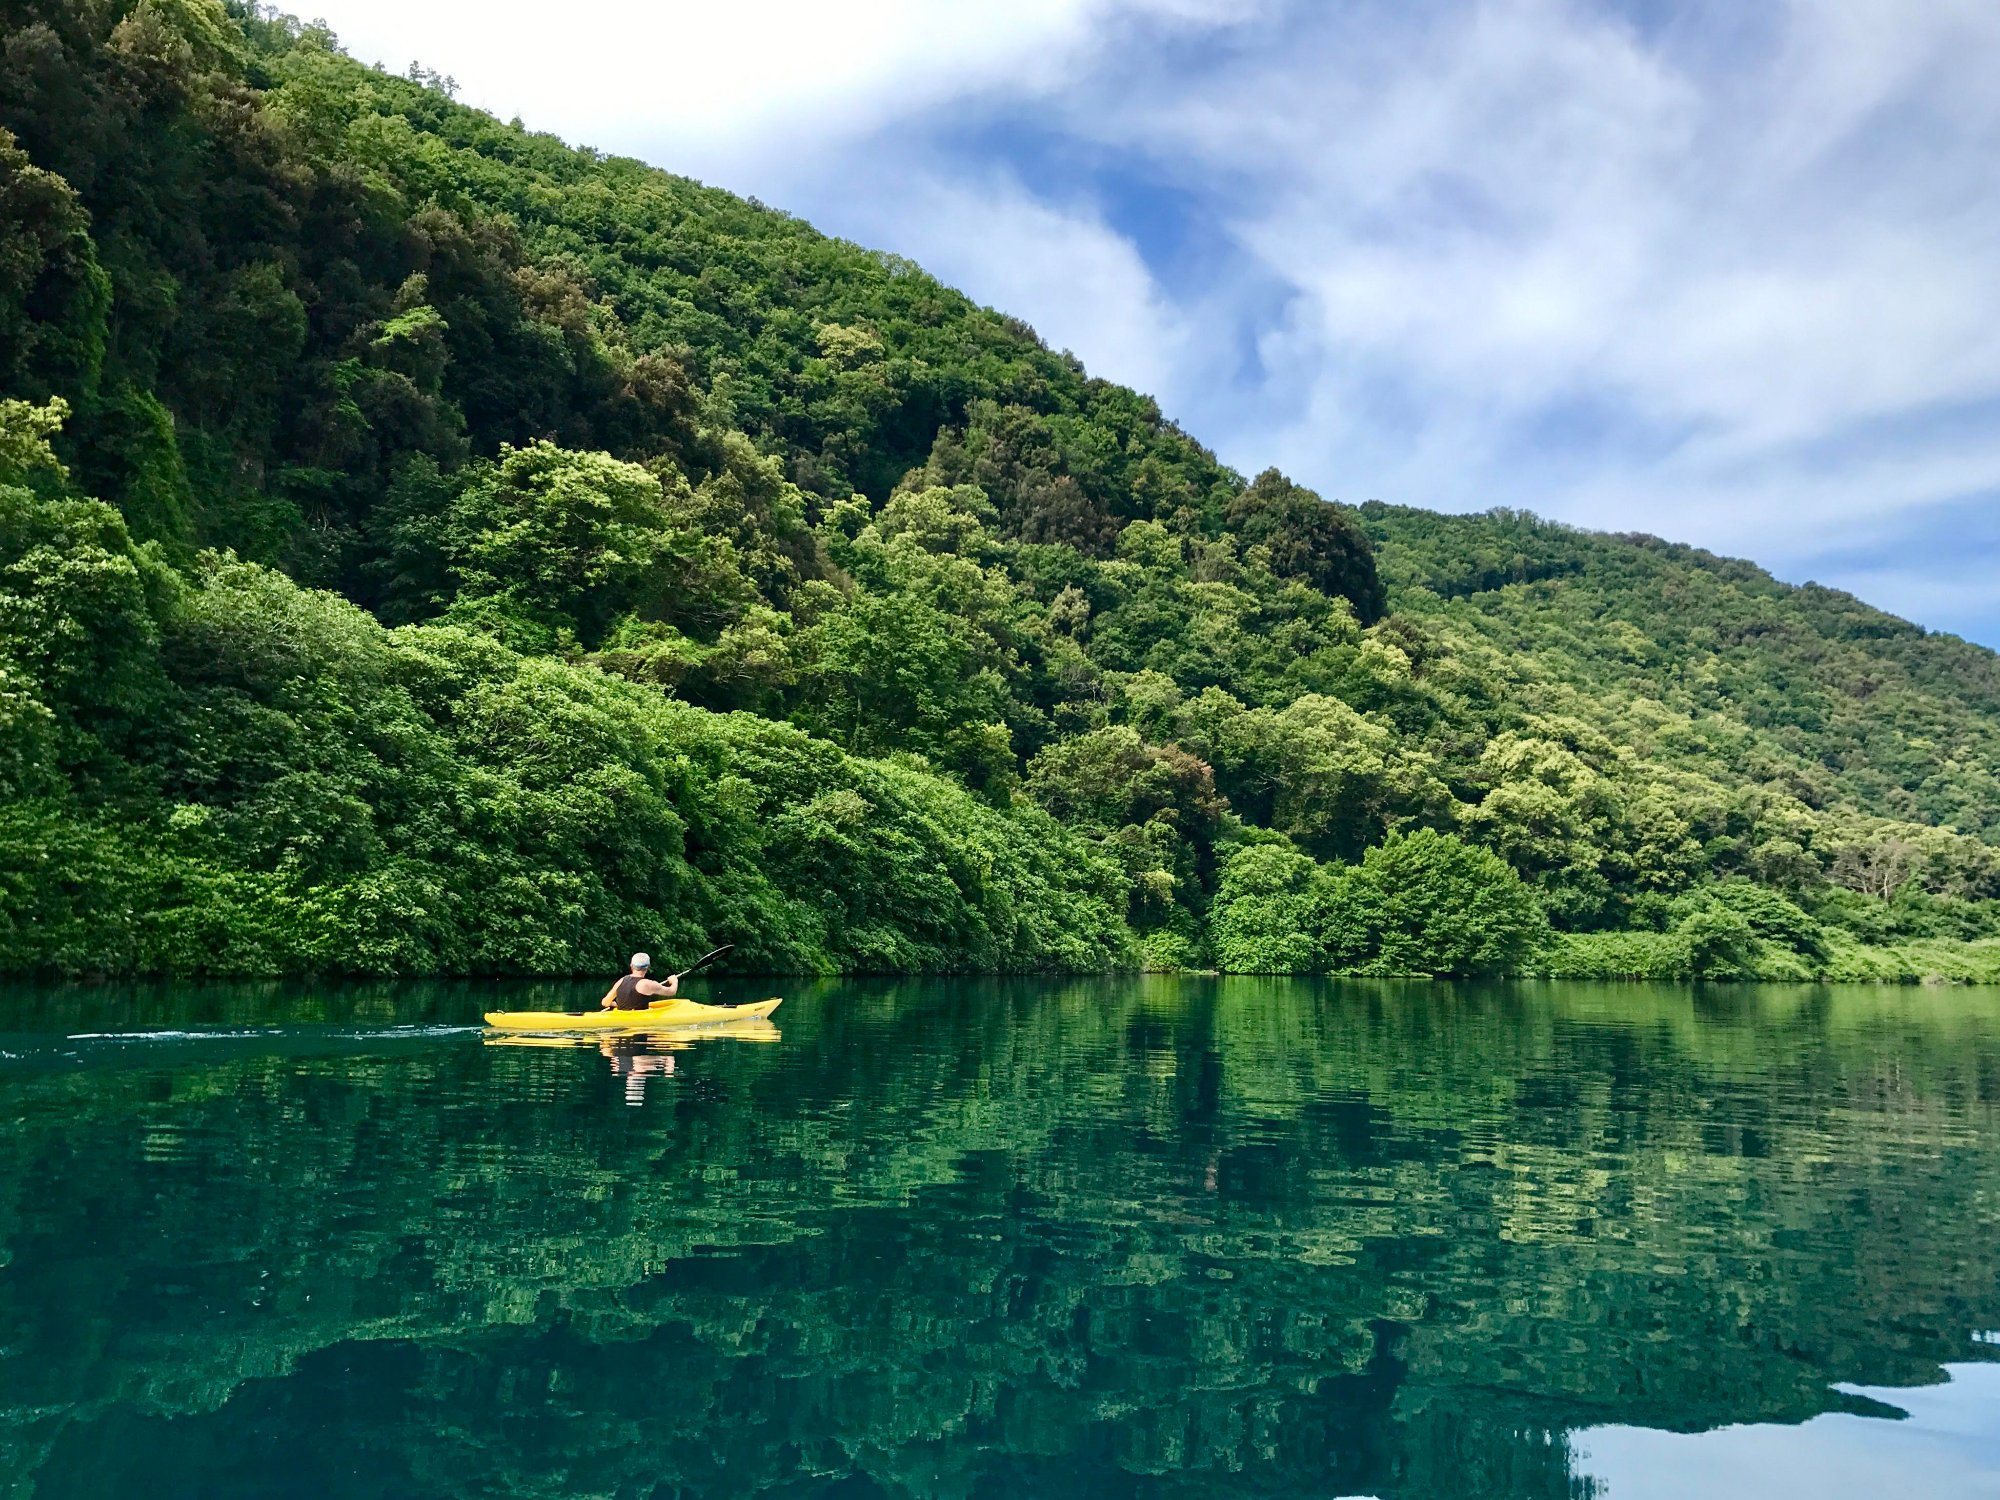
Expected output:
(661, 1015)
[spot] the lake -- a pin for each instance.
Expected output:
(1107, 1237)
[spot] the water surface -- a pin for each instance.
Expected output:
(946, 1238)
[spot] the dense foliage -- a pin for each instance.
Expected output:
(340, 795)
(799, 550)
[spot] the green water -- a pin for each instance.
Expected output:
(1105, 1238)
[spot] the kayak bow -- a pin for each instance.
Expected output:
(661, 1015)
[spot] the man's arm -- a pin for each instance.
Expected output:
(609, 996)
(665, 990)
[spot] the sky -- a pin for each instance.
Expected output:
(1942, 1432)
(1724, 272)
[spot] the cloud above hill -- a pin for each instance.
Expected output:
(1718, 272)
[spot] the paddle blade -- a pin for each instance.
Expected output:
(705, 959)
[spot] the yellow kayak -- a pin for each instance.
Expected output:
(661, 1015)
(653, 1038)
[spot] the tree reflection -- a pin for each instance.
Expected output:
(1237, 1238)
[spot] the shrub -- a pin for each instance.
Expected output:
(1616, 955)
(1720, 943)
(1770, 916)
(1271, 912)
(1429, 903)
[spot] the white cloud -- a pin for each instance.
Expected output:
(1088, 285)
(1652, 280)
(716, 85)
(791, 101)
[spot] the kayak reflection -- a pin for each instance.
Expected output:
(636, 1055)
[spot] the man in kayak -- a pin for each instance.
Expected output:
(636, 991)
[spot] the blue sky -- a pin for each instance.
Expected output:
(1945, 1434)
(1724, 272)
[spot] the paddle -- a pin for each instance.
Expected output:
(704, 959)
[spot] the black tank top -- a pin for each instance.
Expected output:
(628, 996)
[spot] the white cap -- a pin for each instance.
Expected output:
(642, 960)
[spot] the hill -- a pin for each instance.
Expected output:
(427, 545)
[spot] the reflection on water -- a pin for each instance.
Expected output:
(1109, 1237)
(637, 1056)
(635, 1061)
(1944, 1440)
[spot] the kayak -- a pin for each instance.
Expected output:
(661, 1015)
(653, 1039)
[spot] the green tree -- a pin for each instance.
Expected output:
(570, 541)
(1429, 903)
(1158, 805)
(26, 453)
(1272, 913)
(54, 296)
(1332, 779)
(1719, 943)
(1307, 539)
(1770, 916)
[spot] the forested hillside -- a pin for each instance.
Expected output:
(427, 545)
